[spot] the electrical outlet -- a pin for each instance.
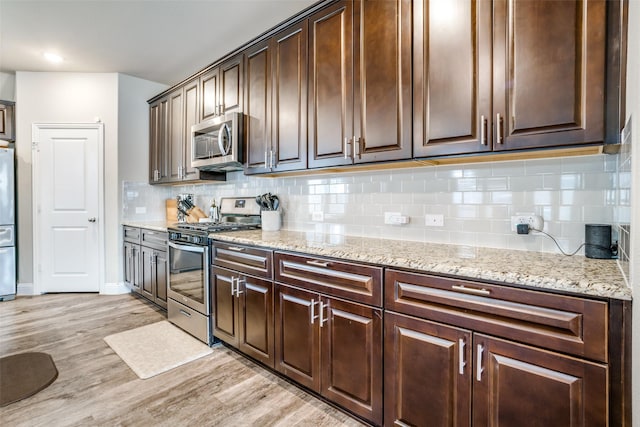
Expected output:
(317, 216)
(535, 221)
(141, 209)
(434, 220)
(389, 217)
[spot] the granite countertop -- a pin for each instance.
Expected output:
(151, 225)
(576, 274)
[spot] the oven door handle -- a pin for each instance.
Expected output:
(189, 248)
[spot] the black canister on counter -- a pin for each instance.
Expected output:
(598, 241)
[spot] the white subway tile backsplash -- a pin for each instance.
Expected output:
(477, 200)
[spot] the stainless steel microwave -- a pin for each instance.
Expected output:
(216, 144)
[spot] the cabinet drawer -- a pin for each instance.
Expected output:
(357, 282)
(131, 234)
(153, 239)
(569, 324)
(249, 260)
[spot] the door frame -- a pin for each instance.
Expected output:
(35, 198)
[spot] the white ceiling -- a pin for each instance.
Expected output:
(159, 40)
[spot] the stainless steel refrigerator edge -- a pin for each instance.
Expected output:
(7, 225)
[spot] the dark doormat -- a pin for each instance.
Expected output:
(23, 375)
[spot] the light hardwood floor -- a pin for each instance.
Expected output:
(96, 388)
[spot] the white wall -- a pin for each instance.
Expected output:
(633, 110)
(7, 86)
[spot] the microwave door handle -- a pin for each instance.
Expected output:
(196, 249)
(224, 131)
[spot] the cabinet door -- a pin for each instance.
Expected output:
(382, 85)
(297, 335)
(191, 117)
(147, 287)
(160, 272)
(516, 385)
(258, 107)
(224, 305)
(231, 85)
(452, 77)
(136, 264)
(289, 96)
(176, 134)
(128, 268)
(549, 69)
(256, 319)
(331, 86)
(209, 90)
(428, 371)
(157, 140)
(352, 357)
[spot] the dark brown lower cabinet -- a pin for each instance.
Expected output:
(243, 313)
(153, 279)
(435, 374)
(132, 266)
(331, 346)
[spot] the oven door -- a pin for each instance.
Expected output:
(189, 276)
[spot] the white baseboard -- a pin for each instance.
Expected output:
(25, 289)
(114, 289)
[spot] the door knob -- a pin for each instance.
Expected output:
(92, 219)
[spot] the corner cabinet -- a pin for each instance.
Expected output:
(146, 264)
(524, 75)
(465, 353)
(276, 102)
(360, 83)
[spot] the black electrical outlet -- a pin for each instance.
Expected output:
(522, 228)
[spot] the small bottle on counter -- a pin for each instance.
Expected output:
(213, 212)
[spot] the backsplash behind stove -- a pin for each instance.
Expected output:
(476, 200)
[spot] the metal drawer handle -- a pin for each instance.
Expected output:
(479, 368)
(323, 319)
(185, 313)
(461, 362)
(313, 311)
(238, 281)
(473, 291)
(236, 248)
(324, 264)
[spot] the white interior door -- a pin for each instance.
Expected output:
(67, 237)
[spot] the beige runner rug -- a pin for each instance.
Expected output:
(156, 348)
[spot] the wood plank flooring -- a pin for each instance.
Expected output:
(96, 388)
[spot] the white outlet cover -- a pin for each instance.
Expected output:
(434, 220)
(317, 216)
(388, 217)
(535, 221)
(141, 209)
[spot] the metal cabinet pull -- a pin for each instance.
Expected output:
(461, 362)
(233, 291)
(479, 368)
(236, 248)
(185, 313)
(346, 147)
(317, 263)
(266, 157)
(474, 291)
(313, 311)
(323, 319)
(483, 130)
(238, 281)
(498, 129)
(272, 157)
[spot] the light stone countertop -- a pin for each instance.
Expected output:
(576, 274)
(151, 225)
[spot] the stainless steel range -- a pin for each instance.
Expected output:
(189, 305)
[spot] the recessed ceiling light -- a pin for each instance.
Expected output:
(53, 57)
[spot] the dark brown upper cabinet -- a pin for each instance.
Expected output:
(507, 75)
(221, 88)
(360, 83)
(158, 129)
(276, 102)
(7, 127)
(183, 113)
